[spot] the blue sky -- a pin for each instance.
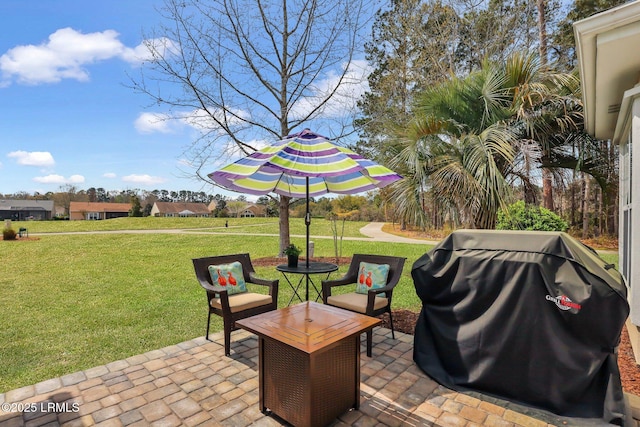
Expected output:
(66, 116)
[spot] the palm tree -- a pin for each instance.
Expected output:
(458, 146)
(473, 136)
(547, 112)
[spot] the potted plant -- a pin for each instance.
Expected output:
(292, 252)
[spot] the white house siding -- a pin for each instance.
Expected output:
(629, 238)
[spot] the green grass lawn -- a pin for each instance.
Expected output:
(73, 301)
(319, 226)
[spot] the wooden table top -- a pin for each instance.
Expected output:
(308, 326)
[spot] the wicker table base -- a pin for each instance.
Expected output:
(309, 361)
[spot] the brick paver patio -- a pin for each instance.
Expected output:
(194, 384)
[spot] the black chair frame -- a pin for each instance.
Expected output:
(396, 265)
(201, 266)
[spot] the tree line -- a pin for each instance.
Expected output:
(144, 199)
(479, 106)
(367, 207)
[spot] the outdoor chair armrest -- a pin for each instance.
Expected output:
(212, 288)
(261, 281)
(388, 288)
(344, 280)
(328, 284)
(272, 284)
(224, 302)
(372, 294)
(218, 292)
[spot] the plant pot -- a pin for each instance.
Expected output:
(292, 261)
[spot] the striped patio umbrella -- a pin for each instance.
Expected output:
(304, 164)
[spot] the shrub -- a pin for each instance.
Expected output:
(528, 217)
(9, 234)
(292, 250)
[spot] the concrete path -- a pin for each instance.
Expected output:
(374, 230)
(194, 384)
(371, 231)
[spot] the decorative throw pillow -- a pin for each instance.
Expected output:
(228, 276)
(371, 276)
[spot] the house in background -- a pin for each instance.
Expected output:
(248, 210)
(23, 210)
(179, 209)
(60, 212)
(97, 210)
(252, 210)
(607, 45)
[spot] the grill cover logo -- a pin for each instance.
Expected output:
(564, 303)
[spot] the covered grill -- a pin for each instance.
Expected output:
(532, 317)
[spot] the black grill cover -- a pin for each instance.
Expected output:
(532, 317)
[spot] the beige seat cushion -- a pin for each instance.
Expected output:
(356, 302)
(243, 301)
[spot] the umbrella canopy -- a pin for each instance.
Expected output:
(304, 164)
(283, 167)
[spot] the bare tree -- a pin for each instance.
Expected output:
(68, 193)
(236, 207)
(253, 71)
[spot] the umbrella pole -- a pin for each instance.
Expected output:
(307, 221)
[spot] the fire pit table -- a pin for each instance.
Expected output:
(309, 361)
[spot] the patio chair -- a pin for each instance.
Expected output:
(222, 277)
(369, 297)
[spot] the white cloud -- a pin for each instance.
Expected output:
(165, 123)
(201, 119)
(59, 179)
(143, 179)
(109, 175)
(198, 119)
(155, 122)
(259, 144)
(349, 90)
(66, 54)
(180, 162)
(34, 158)
(149, 49)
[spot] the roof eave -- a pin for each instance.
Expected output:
(587, 31)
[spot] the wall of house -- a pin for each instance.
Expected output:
(20, 210)
(629, 236)
(78, 215)
(111, 215)
(25, 215)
